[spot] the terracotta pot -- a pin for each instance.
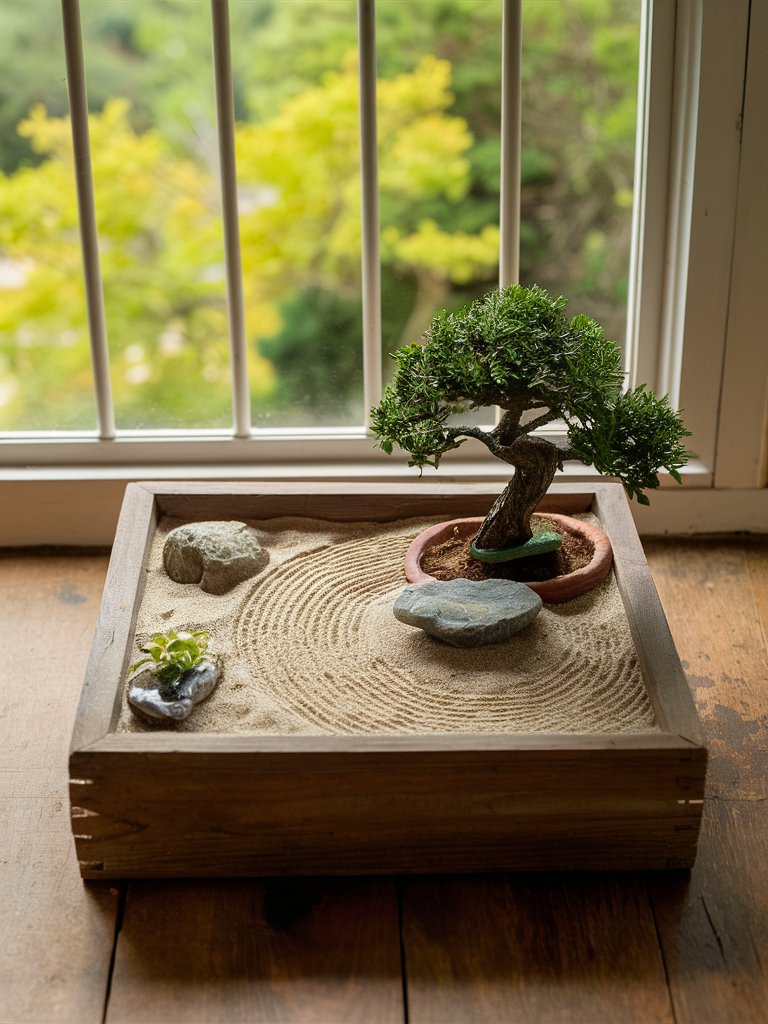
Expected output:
(555, 591)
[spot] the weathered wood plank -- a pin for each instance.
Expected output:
(756, 560)
(183, 813)
(713, 923)
(113, 636)
(659, 660)
(424, 746)
(307, 952)
(56, 934)
(375, 501)
(544, 949)
(714, 607)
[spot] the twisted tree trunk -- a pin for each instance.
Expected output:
(509, 521)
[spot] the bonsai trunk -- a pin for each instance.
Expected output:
(509, 521)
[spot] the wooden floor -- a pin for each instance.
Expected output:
(559, 949)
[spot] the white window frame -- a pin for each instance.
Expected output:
(694, 328)
(702, 224)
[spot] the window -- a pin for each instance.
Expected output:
(273, 273)
(160, 256)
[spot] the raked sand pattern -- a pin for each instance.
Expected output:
(311, 646)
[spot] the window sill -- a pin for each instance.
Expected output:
(79, 505)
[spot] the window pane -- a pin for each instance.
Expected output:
(439, 114)
(298, 161)
(154, 151)
(45, 367)
(440, 196)
(580, 68)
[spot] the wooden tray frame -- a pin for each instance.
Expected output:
(184, 804)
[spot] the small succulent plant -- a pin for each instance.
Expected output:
(172, 654)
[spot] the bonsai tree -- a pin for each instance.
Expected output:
(516, 349)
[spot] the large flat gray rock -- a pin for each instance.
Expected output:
(217, 555)
(468, 613)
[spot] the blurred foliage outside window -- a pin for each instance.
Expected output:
(154, 152)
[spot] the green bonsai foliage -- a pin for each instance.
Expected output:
(516, 349)
(172, 654)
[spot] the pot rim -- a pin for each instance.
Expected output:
(555, 591)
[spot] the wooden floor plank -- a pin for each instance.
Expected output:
(56, 934)
(310, 952)
(756, 558)
(548, 949)
(710, 590)
(713, 925)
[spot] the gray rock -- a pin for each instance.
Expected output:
(151, 702)
(468, 613)
(198, 683)
(217, 555)
(175, 702)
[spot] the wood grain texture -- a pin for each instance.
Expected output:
(113, 637)
(410, 744)
(531, 950)
(55, 934)
(318, 952)
(231, 813)
(715, 595)
(344, 502)
(756, 559)
(713, 923)
(664, 677)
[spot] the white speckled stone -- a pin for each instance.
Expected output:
(468, 613)
(217, 555)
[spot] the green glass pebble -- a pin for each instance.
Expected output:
(539, 544)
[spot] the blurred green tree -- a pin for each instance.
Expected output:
(160, 241)
(439, 202)
(162, 255)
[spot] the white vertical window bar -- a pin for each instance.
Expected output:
(89, 239)
(511, 132)
(682, 160)
(369, 171)
(650, 217)
(225, 110)
(639, 198)
(511, 120)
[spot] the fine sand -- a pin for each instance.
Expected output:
(310, 646)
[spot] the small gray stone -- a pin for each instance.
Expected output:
(217, 555)
(152, 703)
(176, 702)
(468, 613)
(198, 683)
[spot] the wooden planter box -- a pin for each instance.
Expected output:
(169, 803)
